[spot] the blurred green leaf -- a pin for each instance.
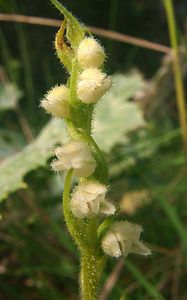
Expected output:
(115, 115)
(9, 96)
(11, 142)
(13, 169)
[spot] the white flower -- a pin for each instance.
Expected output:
(56, 102)
(88, 199)
(75, 155)
(92, 85)
(90, 54)
(123, 238)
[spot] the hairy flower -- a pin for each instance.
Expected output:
(123, 238)
(92, 85)
(88, 199)
(90, 54)
(56, 102)
(75, 155)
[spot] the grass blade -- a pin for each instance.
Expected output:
(140, 277)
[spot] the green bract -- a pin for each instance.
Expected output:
(69, 36)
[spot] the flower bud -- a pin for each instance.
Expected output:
(88, 199)
(56, 102)
(123, 238)
(92, 85)
(90, 54)
(77, 156)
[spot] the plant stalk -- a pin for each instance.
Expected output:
(179, 85)
(89, 275)
(75, 226)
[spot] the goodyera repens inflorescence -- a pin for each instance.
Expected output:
(91, 218)
(88, 198)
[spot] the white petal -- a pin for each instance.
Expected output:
(56, 102)
(88, 194)
(92, 190)
(86, 170)
(92, 85)
(79, 209)
(125, 230)
(110, 245)
(126, 247)
(75, 155)
(94, 206)
(57, 166)
(139, 248)
(90, 54)
(95, 188)
(60, 92)
(107, 207)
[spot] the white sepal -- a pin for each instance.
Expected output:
(56, 103)
(92, 85)
(88, 199)
(74, 155)
(90, 54)
(122, 239)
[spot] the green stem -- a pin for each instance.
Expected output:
(65, 202)
(182, 109)
(90, 273)
(103, 174)
(73, 82)
(75, 226)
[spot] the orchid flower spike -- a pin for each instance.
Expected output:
(74, 155)
(56, 103)
(122, 239)
(88, 200)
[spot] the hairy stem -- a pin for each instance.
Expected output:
(103, 174)
(75, 226)
(66, 205)
(89, 275)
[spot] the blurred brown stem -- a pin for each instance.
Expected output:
(113, 35)
(111, 280)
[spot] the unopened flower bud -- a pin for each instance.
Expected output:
(77, 156)
(90, 54)
(56, 102)
(92, 85)
(88, 199)
(123, 238)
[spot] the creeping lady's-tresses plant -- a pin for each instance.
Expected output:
(91, 218)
